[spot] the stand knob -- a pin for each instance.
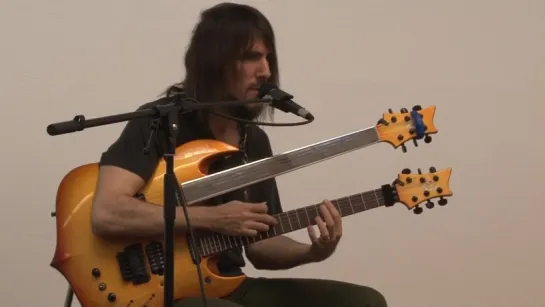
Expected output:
(112, 297)
(95, 272)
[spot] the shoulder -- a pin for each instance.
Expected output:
(127, 150)
(258, 133)
(142, 126)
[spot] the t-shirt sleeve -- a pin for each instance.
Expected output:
(275, 206)
(270, 187)
(127, 151)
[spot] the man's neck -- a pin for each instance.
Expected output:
(222, 128)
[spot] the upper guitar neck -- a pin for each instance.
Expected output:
(297, 219)
(220, 183)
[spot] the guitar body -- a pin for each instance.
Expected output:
(91, 264)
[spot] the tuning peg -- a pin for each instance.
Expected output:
(417, 210)
(403, 148)
(442, 201)
(398, 182)
(415, 143)
(432, 169)
(427, 139)
(417, 108)
(429, 204)
(406, 171)
(419, 171)
(383, 121)
(390, 111)
(404, 110)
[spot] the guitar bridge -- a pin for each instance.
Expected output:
(132, 264)
(156, 257)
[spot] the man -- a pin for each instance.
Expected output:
(232, 52)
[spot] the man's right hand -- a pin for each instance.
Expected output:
(242, 219)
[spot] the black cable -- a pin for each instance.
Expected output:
(241, 120)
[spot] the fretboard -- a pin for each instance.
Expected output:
(220, 183)
(292, 220)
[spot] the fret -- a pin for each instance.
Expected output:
(362, 200)
(289, 222)
(308, 218)
(350, 203)
(338, 207)
(298, 219)
(346, 206)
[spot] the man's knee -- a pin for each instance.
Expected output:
(210, 302)
(363, 296)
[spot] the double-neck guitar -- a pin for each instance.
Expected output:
(108, 272)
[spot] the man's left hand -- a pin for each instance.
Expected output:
(330, 226)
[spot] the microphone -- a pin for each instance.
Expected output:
(282, 101)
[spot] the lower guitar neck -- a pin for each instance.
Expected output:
(297, 219)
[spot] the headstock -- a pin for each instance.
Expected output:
(399, 128)
(412, 189)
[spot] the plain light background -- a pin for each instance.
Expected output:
(482, 63)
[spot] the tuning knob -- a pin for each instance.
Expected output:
(417, 108)
(383, 122)
(390, 111)
(432, 169)
(427, 139)
(417, 210)
(403, 148)
(406, 171)
(429, 204)
(415, 143)
(404, 110)
(442, 201)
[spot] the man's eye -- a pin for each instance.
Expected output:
(251, 56)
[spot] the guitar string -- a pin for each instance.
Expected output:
(293, 158)
(210, 241)
(213, 243)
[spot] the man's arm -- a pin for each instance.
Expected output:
(278, 253)
(115, 211)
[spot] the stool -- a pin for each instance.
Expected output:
(69, 297)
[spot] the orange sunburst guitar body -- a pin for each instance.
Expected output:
(90, 263)
(105, 272)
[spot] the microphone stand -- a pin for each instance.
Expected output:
(168, 114)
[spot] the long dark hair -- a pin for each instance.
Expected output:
(221, 37)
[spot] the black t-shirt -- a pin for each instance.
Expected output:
(126, 152)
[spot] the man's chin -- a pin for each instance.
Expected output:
(248, 112)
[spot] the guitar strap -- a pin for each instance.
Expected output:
(243, 138)
(231, 256)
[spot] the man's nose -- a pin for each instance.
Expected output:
(264, 71)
